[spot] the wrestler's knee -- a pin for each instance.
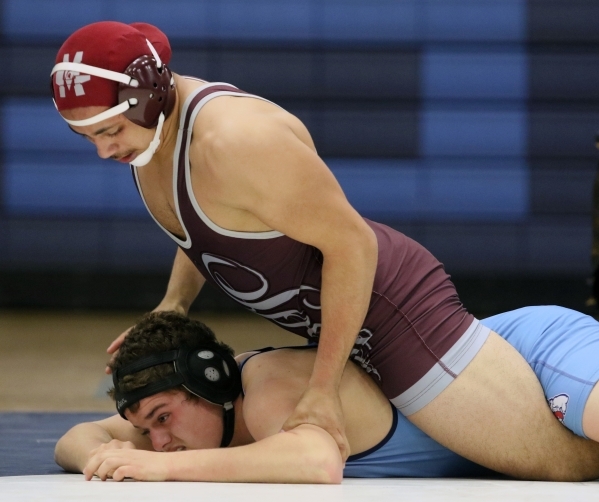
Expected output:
(581, 465)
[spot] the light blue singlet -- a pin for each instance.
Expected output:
(407, 452)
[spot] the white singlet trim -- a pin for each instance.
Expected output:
(187, 242)
(437, 379)
(269, 234)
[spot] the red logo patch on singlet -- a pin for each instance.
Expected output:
(559, 406)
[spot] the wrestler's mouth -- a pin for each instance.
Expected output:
(127, 158)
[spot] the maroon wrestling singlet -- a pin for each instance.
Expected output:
(416, 336)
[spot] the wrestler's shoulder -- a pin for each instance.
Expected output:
(278, 363)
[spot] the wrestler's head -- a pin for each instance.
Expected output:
(158, 333)
(172, 416)
(112, 85)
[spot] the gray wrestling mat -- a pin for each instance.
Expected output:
(74, 487)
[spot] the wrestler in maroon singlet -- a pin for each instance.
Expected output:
(416, 336)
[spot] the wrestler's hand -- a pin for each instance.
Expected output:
(116, 344)
(119, 464)
(114, 347)
(321, 407)
(113, 444)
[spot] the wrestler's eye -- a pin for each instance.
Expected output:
(162, 418)
(115, 133)
(145, 432)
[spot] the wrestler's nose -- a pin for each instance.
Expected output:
(160, 440)
(106, 148)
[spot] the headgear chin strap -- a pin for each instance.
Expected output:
(146, 156)
(208, 372)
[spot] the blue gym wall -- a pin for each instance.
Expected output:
(467, 124)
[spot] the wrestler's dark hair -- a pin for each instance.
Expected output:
(155, 333)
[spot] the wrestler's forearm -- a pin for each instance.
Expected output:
(184, 285)
(72, 450)
(306, 454)
(347, 281)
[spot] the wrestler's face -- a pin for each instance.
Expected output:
(115, 138)
(175, 421)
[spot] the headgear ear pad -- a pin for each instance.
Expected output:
(154, 94)
(208, 372)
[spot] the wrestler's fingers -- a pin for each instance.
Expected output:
(124, 471)
(91, 467)
(113, 444)
(114, 347)
(338, 436)
(117, 342)
(97, 466)
(107, 468)
(342, 444)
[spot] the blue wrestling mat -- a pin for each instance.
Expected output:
(27, 440)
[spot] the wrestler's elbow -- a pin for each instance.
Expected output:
(323, 466)
(362, 247)
(326, 467)
(320, 457)
(368, 238)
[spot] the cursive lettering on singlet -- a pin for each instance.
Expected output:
(257, 300)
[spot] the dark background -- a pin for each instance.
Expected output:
(469, 125)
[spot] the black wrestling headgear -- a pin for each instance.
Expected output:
(208, 372)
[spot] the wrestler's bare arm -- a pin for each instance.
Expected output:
(73, 450)
(259, 164)
(305, 455)
(184, 285)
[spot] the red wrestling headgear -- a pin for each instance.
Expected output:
(97, 56)
(94, 58)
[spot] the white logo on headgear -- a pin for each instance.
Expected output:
(68, 77)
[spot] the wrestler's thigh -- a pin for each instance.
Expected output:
(590, 416)
(495, 414)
